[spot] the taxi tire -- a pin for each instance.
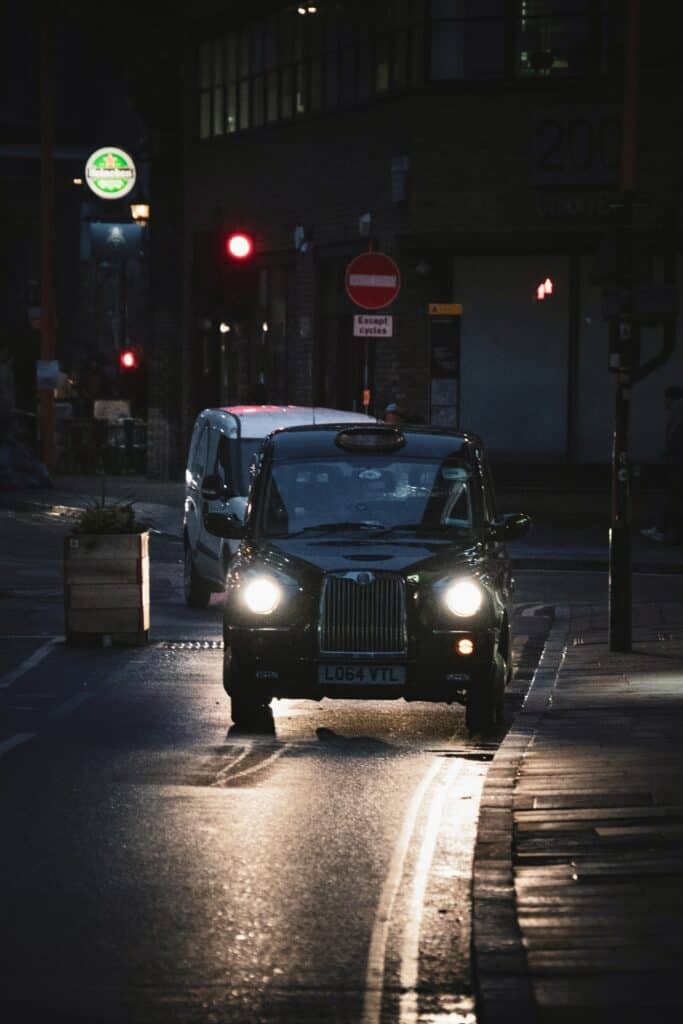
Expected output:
(245, 706)
(197, 591)
(485, 701)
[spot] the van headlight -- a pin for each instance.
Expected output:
(262, 595)
(463, 598)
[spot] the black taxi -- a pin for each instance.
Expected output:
(372, 564)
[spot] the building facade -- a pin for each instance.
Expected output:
(479, 145)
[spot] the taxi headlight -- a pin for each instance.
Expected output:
(463, 598)
(262, 595)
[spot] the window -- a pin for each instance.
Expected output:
(201, 455)
(287, 66)
(467, 39)
(554, 37)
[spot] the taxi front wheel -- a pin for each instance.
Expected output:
(484, 710)
(245, 704)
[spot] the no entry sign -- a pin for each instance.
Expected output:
(372, 280)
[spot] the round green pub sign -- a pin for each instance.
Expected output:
(110, 173)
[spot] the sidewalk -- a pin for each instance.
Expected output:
(578, 870)
(159, 503)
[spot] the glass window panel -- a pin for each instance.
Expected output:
(244, 104)
(231, 108)
(300, 98)
(272, 97)
(257, 48)
(331, 38)
(399, 72)
(484, 49)
(660, 43)
(218, 56)
(552, 46)
(205, 115)
(475, 8)
(286, 43)
(331, 80)
(348, 76)
(447, 57)
(231, 71)
(467, 50)
(205, 65)
(244, 54)
(218, 111)
(287, 92)
(345, 33)
(258, 101)
(382, 65)
(270, 43)
(417, 56)
(613, 42)
(315, 46)
(364, 71)
(316, 85)
(299, 31)
(534, 8)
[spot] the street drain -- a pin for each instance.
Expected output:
(190, 645)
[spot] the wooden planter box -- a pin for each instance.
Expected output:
(106, 587)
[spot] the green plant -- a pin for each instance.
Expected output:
(101, 518)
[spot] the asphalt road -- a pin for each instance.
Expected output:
(157, 865)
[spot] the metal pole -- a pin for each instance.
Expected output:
(366, 377)
(620, 531)
(46, 400)
(620, 573)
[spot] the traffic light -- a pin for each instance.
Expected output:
(239, 246)
(128, 359)
(544, 289)
(239, 277)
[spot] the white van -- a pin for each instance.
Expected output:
(223, 447)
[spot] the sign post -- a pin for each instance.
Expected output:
(372, 281)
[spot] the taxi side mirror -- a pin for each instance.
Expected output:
(220, 525)
(510, 526)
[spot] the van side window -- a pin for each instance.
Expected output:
(199, 465)
(222, 467)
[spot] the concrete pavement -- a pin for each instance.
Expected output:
(578, 867)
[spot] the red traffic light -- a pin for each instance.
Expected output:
(128, 360)
(239, 246)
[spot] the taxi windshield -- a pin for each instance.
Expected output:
(359, 492)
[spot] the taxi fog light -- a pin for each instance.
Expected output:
(463, 598)
(262, 596)
(464, 645)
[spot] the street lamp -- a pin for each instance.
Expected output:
(140, 213)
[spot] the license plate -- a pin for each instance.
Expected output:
(389, 675)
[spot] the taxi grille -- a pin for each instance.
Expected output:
(367, 617)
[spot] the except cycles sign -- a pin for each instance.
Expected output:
(372, 280)
(110, 173)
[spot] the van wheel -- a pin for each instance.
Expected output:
(197, 591)
(246, 704)
(485, 702)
